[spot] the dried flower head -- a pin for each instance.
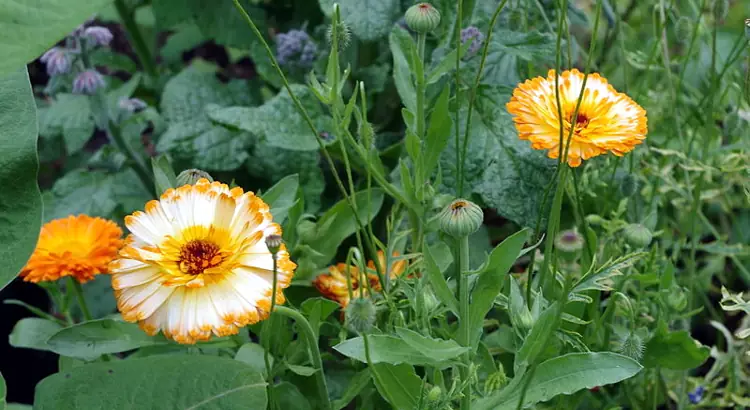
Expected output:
(607, 121)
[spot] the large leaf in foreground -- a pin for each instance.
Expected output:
(30, 27)
(563, 375)
(89, 340)
(20, 201)
(674, 350)
(159, 382)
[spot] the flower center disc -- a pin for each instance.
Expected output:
(198, 255)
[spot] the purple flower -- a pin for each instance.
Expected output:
(696, 395)
(295, 47)
(477, 37)
(58, 61)
(87, 82)
(100, 36)
(132, 104)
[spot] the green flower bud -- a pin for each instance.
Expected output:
(637, 235)
(594, 220)
(495, 381)
(360, 315)
(747, 28)
(461, 218)
(632, 347)
(274, 243)
(629, 185)
(422, 17)
(191, 176)
(434, 394)
(307, 231)
(676, 299)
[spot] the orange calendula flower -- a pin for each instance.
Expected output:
(607, 121)
(78, 246)
(197, 263)
(333, 284)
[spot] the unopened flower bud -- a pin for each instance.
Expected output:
(629, 185)
(637, 235)
(569, 242)
(100, 36)
(88, 82)
(344, 34)
(307, 231)
(434, 394)
(360, 315)
(677, 299)
(191, 176)
(461, 218)
(594, 220)
(273, 242)
(58, 61)
(632, 346)
(422, 17)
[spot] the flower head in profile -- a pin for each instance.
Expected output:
(333, 285)
(58, 61)
(100, 36)
(78, 246)
(607, 121)
(87, 82)
(196, 263)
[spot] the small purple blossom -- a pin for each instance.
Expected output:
(132, 104)
(295, 47)
(696, 395)
(477, 37)
(88, 82)
(58, 61)
(98, 35)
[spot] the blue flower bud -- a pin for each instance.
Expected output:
(100, 36)
(58, 61)
(88, 82)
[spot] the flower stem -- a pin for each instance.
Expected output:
(553, 224)
(312, 343)
(266, 332)
(139, 44)
(464, 312)
(78, 291)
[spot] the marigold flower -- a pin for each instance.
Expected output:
(78, 246)
(196, 263)
(607, 121)
(333, 284)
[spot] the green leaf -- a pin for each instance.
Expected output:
(31, 27)
(220, 149)
(157, 382)
(164, 176)
(388, 349)
(437, 279)
(305, 371)
(2, 392)
(353, 388)
(32, 333)
(317, 311)
(518, 311)
(674, 350)
(399, 385)
(437, 349)
(287, 396)
(89, 340)
(438, 132)
(369, 20)
(70, 116)
(222, 22)
(538, 339)
(253, 355)
(601, 278)
(490, 282)
(402, 46)
(20, 202)
(565, 374)
(282, 196)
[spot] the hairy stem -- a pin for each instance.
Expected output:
(464, 313)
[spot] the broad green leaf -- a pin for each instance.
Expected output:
(537, 339)
(390, 349)
(402, 45)
(253, 355)
(164, 176)
(437, 349)
(32, 333)
(187, 93)
(565, 374)
(89, 340)
(398, 384)
(220, 149)
(31, 27)
(305, 371)
(354, 387)
(287, 396)
(282, 196)
(222, 22)
(69, 115)
(158, 382)
(490, 282)
(674, 350)
(437, 133)
(317, 311)
(369, 20)
(20, 202)
(437, 280)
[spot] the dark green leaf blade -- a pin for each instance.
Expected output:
(398, 384)
(674, 350)
(89, 340)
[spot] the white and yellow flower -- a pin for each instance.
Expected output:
(197, 264)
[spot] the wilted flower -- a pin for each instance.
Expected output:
(477, 39)
(87, 82)
(78, 246)
(197, 263)
(607, 121)
(131, 105)
(100, 36)
(295, 47)
(333, 285)
(58, 60)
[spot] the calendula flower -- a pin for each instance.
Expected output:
(607, 121)
(196, 263)
(78, 246)
(333, 285)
